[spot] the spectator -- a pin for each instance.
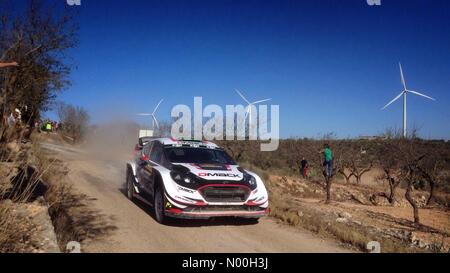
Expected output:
(11, 64)
(48, 127)
(14, 118)
(304, 168)
(11, 120)
(18, 115)
(328, 163)
(37, 126)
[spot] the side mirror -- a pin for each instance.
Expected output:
(144, 158)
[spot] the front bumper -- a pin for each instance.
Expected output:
(197, 206)
(206, 214)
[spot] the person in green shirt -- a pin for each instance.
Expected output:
(328, 164)
(48, 127)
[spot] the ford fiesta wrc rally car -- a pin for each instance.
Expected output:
(193, 180)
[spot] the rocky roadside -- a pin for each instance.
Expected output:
(25, 224)
(36, 228)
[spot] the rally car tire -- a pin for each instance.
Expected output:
(159, 205)
(130, 189)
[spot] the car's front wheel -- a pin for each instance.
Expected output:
(159, 205)
(130, 186)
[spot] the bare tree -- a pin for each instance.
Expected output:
(391, 160)
(74, 121)
(343, 170)
(431, 171)
(337, 157)
(357, 161)
(410, 162)
(358, 171)
(410, 179)
(38, 40)
(392, 176)
(328, 182)
(400, 159)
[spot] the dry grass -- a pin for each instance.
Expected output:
(18, 183)
(21, 181)
(13, 233)
(317, 221)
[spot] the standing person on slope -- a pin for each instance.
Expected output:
(328, 163)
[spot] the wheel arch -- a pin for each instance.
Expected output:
(158, 182)
(131, 167)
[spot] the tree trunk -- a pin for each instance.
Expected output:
(413, 203)
(431, 198)
(391, 197)
(347, 177)
(328, 181)
(392, 188)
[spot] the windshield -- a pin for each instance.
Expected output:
(197, 156)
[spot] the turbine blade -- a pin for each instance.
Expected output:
(392, 101)
(143, 114)
(402, 76)
(242, 96)
(420, 94)
(261, 101)
(157, 106)
(156, 121)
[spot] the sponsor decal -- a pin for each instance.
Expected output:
(229, 175)
(186, 190)
(210, 166)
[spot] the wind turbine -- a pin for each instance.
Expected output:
(249, 107)
(153, 115)
(404, 93)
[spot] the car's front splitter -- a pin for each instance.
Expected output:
(178, 213)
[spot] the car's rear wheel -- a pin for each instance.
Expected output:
(130, 186)
(159, 205)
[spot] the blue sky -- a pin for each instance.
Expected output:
(330, 65)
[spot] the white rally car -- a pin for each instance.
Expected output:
(193, 179)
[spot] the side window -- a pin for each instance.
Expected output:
(156, 153)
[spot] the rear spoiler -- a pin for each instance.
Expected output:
(145, 140)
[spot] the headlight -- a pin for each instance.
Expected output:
(252, 180)
(181, 178)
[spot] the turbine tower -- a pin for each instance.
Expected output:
(405, 93)
(155, 123)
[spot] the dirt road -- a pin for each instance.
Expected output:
(135, 230)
